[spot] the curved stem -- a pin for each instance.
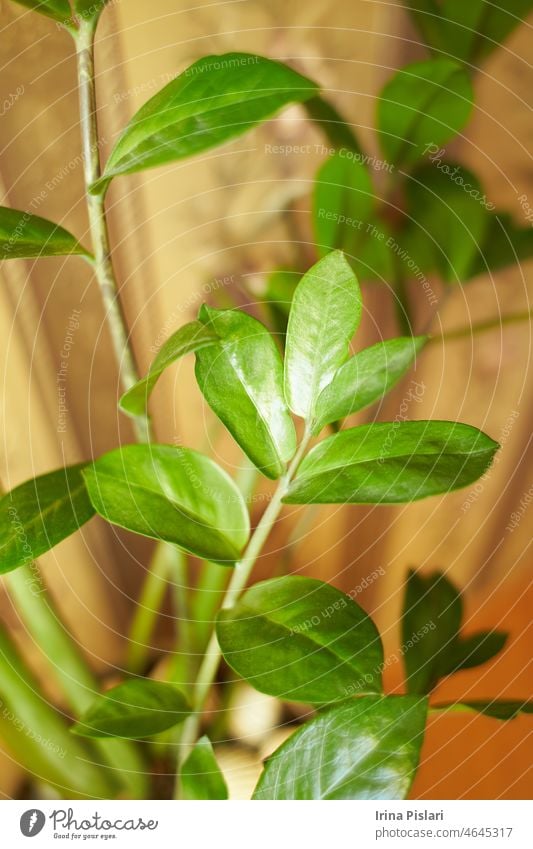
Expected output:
(241, 574)
(103, 264)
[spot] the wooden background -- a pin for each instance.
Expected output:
(189, 228)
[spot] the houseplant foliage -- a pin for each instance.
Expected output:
(295, 638)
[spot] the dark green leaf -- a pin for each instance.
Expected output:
(474, 650)
(344, 217)
(496, 708)
(366, 378)
(367, 748)
(277, 298)
(448, 209)
(191, 337)
(213, 101)
(336, 129)
(503, 244)
(59, 10)
(201, 778)
(424, 104)
(431, 619)
(301, 640)
(138, 708)
(426, 16)
(391, 462)
(242, 381)
(325, 313)
(24, 236)
(172, 494)
(40, 513)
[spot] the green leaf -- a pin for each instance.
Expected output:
(471, 31)
(242, 381)
(336, 128)
(366, 378)
(40, 513)
(424, 104)
(367, 748)
(191, 337)
(24, 236)
(201, 777)
(301, 640)
(474, 650)
(59, 10)
(137, 708)
(277, 299)
(391, 463)
(431, 619)
(495, 708)
(172, 494)
(447, 207)
(325, 313)
(503, 244)
(217, 99)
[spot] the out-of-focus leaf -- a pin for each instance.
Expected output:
(391, 462)
(25, 236)
(301, 640)
(495, 708)
(277, 298)
(474, 650)
(446, 205)
(366, 378)
(40, 513)
(503, 244)
(242, 381)
(336, 129)
(325, 313)
(201, 777)
(367, 748)
(172, 494)
(191, 337)
(217, 99)
(137, 708)
(424, 104)
(59, 10)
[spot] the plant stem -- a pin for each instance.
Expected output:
(103, 264)
(241, 574)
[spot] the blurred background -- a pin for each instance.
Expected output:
(213, 228)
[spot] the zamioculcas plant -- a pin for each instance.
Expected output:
(295, 638)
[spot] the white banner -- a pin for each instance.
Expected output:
(267, 825)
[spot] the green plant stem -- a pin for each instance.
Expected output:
(103, 264)
(241, 574)
(39, 736)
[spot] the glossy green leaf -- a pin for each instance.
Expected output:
(201, 777)
(431, 619)
(137, 708)
(242, 381)
(172, 494)
(503, 244)
(424, 104)
(474, 650)
(217, 99)
(301, 640)
(391, 462)
(366, 378)
(447, 205)
(191, 337)
(59, 10)
(336, 129)
(325, 313)
(40, 513)
(366, 748)
(24, 236)
(495, 708)
(344, 217)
